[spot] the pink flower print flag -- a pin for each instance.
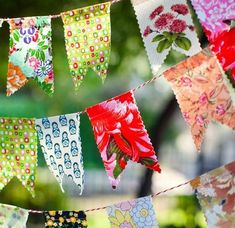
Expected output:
(202, 93)
(18, 151)
(121, 136)
(59, 137)
(216, 194)
(87, 37)
(165, 25)
(132, 214)
(30, 54)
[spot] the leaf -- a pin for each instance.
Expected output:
(183, 43)
(117, 170)
(163, 44)
(147, 161)
(37, 54)
(41, 43)
(16, 35)
(11, 43)
(157, 38)
(44, 47)
(42, 55)
(33, 52)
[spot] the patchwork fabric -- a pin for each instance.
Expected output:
(12, 217)
(87, 38)
(216, 193)
(165, 25)
(70, 219)
(202, 93)
(18, 151)
(30, 54)
(138, 213)
(60, 141)
(121, 136)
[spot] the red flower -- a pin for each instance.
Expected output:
(178, 26)
(156, 12)
(180, 9)
(164, 21)
(147, 31)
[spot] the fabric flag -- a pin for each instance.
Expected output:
(134, 213)
(216, 194)
(202, 93)
(13, 217)
(76, 219)
(18, 146)
(121, 136)
(216, 18)
(60, 141)
(30, 54)
(165, 25)
(87, 37)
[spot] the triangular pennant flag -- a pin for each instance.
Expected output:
(30, 54)
(87, 37)
(13, 217)
(202, 93)
(76, 219)
(121, 136)
(216, 193)
(216, 17)
(133, 213)
(165, 25)
(18, 146)
(60, 141)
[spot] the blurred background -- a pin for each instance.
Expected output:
(169, 133)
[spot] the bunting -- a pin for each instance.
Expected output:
(165, 25)
(61, 145)
(30, 54)
(87, 38)
(121, 136)
(202, 93)
(18, 146)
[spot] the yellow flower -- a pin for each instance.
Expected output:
(50, 223)
(121, 219)
(84, 223)
(52, 213)
(144, 212)
(73, 219)
(61, 219)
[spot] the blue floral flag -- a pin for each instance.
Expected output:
(132, 214)
(60, 142)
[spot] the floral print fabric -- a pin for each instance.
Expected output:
(202, 93)
(60, 141)
(12, 217)
(165, 25)
(87, 38)
(215, 191)
(18, 151)
(121, 136)
(30, 54)
(216, 17)
(69, 219)
(137, 213)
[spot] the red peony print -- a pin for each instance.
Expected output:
(178, 26)
(164, 21)
(156, 12)
(180, 9)
(147, 31)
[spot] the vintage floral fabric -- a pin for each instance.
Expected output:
(121, 136)
(216, 18)
(60, 141)
(30, 54)
(87, 37)
(13, 217)
(138, 213)
(165, 25)
(18, 151)
(70, 219)
(202, 93)
(216, 193)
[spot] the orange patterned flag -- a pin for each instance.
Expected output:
(202, 93)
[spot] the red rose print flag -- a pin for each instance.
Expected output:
(121, 136)
(202, 93)
(216, 18)
(165, 25)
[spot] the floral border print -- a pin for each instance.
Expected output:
(217, 19)
(215, 192)
(164, 27)
(121, 136)
(30, 54)
(202, 93)
(138, 213)
(87, 34)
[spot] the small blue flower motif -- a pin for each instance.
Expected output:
(44, 69)
(143, 213)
